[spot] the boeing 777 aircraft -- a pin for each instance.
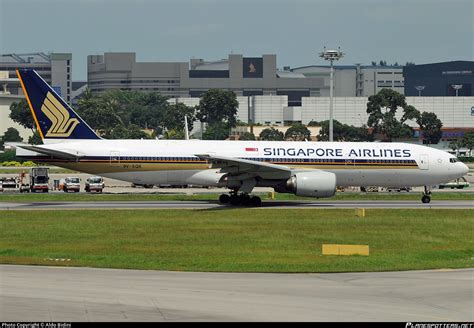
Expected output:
(311, 169)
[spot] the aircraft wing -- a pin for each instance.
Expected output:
(238, 166)
(50, 152)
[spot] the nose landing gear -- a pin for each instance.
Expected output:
(426, 195)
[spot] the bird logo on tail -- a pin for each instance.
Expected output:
(62, 124)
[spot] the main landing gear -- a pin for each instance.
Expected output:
(426, 195)
(242, 198)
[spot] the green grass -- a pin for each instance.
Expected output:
(239, 240)
(416, 196)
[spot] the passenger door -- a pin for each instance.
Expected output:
(114, 158)
(424, 162)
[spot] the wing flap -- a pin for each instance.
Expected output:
(236, 166)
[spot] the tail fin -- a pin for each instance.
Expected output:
(54, 118)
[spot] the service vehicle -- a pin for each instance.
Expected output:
(71, 184)
(398, 189)
(94, 184)
(39, 179)
(458, 183)
(8, 184)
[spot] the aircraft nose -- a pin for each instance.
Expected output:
(464, 169)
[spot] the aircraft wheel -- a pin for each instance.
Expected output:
(256, 201)
(234, 200)
(224, 199)
(426, 199)
(245, 199)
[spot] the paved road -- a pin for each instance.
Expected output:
(211, 204)
(31, 293)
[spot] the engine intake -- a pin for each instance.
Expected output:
(312, 184)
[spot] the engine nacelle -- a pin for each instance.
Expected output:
(312, 184)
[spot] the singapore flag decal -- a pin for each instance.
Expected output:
(251, 149)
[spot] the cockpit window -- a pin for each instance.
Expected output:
(453, 160)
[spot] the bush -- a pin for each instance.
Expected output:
(466, 159)
(28, 163)
(11, 163)
(8, 156)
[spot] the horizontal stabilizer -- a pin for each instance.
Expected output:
(50, 152)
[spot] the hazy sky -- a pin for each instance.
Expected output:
(421, 31)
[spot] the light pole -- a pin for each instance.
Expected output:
(420, 88)
(331, 55)
(456, 87)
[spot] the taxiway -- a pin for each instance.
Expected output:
(33, 293)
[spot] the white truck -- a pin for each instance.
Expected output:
(70, 184)
(94, 184)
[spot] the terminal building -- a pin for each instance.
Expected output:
(357, 80)
(54, 68)
(246, 76)
(455, 78)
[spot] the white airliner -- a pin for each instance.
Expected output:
(312, 169)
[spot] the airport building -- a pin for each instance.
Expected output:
(6, 99)
(440, 79)
(54, 68)
(456, 113)
(246, 76)
(357, 80)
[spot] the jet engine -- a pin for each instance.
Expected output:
(312, 184)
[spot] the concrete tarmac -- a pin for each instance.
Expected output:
(63, 205)
(34, 293)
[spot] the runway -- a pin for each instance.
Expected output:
(32, 293)
(448, 204)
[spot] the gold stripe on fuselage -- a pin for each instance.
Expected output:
(98, 166)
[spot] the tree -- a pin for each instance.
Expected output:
(35, 139)
(126, 132)
(382, 108)
(247, 136)
(314, 123)
(122, 108)
(468, 141)
(218, 106)
(174, 134)
(135, 132)
(99, 112)
(454, 145)
(11, 135)
(216, 131)
(149, 110)
(344, 132)
(298, 132)
(431, 126)
(173, 118)
(21, 114)
(271, 134)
